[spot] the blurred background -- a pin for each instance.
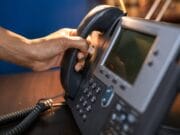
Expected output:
(37, 18)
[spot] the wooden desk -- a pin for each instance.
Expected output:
(23, 90)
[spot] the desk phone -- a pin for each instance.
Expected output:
(130, 85)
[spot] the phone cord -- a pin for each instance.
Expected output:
(15, 116)
(30, 115)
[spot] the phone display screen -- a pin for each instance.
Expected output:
(128, 54)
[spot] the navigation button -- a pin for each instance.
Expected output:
(107, 97)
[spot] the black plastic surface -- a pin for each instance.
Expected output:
(100, 18)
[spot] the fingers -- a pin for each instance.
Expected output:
(81, 61)
(67, 38)
(79, 66)
(95, 38)
(93, 42)
(63, 32)
(76, 42)
(81, 56)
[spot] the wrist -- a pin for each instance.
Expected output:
(35, 47)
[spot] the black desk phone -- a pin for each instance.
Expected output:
(129, 87)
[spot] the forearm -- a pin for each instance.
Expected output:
(12, 45)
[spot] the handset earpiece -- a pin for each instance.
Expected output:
(100, 18)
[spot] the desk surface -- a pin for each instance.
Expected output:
(23, 90)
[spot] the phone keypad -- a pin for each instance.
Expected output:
(88, 98)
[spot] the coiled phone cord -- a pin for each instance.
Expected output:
(29, 115)
(14, 116)
(22, 126)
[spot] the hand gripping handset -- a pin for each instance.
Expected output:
(101, 19)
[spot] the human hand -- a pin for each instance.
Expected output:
(47, 52)
(95, 41)
(42, 53)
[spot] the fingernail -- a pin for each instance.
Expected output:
(80, 55)
(91, 50)
(77, 68)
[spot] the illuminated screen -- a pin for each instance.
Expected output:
(128, 54)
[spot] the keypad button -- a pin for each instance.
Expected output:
(81, 99)
(91, 80)
(80, 111)
(131, 118)
(89, 94)
(114, 81)
(85, 90)
(125, 127)
(84, 103)
(107, 76)
(122, 87)
(89, 108)
(122, 118)
(93, 99)
(113, 116)
(98, 90)
(77, 107)
(84, 116)
(118, 107)
(93, 85)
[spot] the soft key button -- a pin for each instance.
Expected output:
(107, 97)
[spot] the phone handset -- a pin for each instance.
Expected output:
(100, 18)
